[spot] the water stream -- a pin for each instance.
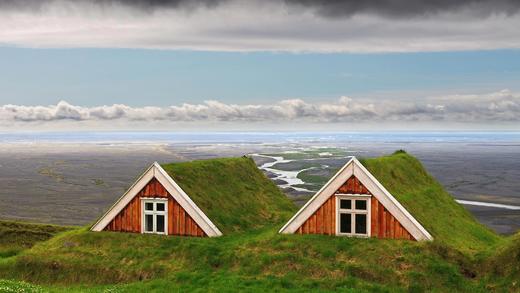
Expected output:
(291, 179)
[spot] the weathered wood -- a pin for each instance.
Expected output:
(170, 219)
(319, 221)
(383, 223)
(182, 220)
(353, 186)
(333, 215)
(179, 222)
(373, 218)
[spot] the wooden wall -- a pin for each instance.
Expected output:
(353, 186)
(323, 221)
(383, 224)
(179, 222)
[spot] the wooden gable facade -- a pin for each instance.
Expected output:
(129, 219)
(354, 203)
(156, 204)
(382, 223)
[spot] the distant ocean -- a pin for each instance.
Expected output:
(261, 137)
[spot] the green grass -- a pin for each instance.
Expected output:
(252, 256)
(502, 266)
(310, 153)
(17, 236)
(426, 199)
(259, 259)
(317, 180)
(232, 192)
(8, 286)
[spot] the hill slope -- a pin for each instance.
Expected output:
(258, 258)
(232, 192)
(17, 236)
(426, 199)
(503, 266)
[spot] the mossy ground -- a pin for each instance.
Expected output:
(426, 199)
(259, 260)
(18, 236)
(464, 257)
(232, 192)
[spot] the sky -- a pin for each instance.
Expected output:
(259, 65)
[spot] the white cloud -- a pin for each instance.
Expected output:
(499, 107)
(253, 25)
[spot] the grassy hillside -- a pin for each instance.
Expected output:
(232, 192)
(17, 236)
(503, 265)
(252, 256)
(426, 199)
(259, 259)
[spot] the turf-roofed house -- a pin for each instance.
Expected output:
(155, 203)
(202, 198)
(354, 203)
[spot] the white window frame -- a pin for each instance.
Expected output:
(353, 212)
(154, 213)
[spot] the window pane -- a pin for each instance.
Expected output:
(361, 224)
(160, 223)
(345, 204)
(148, 223)
(344, 223)
(160, 206)
(361, 204)
(148, 206)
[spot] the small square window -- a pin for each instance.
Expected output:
(154, 216)
(159, 207)
(361, 204)
(345, 204)
(345, 223)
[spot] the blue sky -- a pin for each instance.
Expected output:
(140, 77)
(259, 65)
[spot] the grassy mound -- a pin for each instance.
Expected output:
(17, 236)
(232, 192)
(503, 267)
(256, 260)
(260, 259)
(425, 198)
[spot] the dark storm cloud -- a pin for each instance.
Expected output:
(324, 8)
(406, 8)
(146, 5)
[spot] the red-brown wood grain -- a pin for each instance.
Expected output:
(323, 221)
(382, 223)
(353, 186)
(179, 222)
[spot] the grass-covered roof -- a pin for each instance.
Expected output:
(427, 200)
(238, 197)
(232, 192)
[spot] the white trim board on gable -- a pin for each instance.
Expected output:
(157, 172)
(354, 167)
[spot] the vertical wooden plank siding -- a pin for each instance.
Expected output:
(353, 186)
(179, 222)
(374, 227)
(386, 225)
(323, 221)
(382, 223)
